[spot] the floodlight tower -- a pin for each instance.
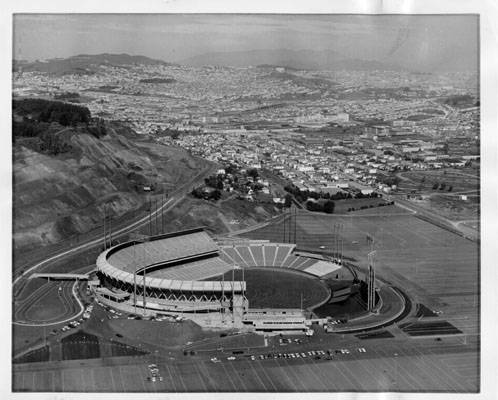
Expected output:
(105, 237)
(295, 224)
(285, 212)
(137, 238)
(371, 281)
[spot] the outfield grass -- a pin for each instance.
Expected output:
(269, 287)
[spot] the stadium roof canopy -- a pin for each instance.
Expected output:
(120, 262)
(166, 248)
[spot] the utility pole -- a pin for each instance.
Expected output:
(155, 218)
(223, 299)
(285, 212)
(295, 224)
(110, 231)
(162, 215)
(105, 238)
(233, 295)
(150, 217)
(371, 281)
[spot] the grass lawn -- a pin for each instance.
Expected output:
(279, 288)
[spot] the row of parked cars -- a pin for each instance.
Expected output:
(75, 323)
(284, 341)
(316, 354)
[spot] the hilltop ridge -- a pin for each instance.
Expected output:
(64, 175)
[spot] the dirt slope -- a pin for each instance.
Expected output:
(59, 196)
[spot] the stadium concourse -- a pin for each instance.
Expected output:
(178, 274)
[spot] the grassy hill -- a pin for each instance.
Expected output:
(64, 173)
(84, 64)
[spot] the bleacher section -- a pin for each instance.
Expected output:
(262, 255)
(246, 255)
(172, 247)
(282, 252)
(194, 271)
(321, 268)
(270, 252)
(233, 255)
(257, 253)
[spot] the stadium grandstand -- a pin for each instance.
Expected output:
(179, 274)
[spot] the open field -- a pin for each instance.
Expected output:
(462, 180)
(270, 287)
(432, 265)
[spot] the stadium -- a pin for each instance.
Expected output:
(226, 283)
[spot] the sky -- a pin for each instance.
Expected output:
(441, 42)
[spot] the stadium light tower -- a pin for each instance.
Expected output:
(371, 281)
(295, 224)
(138, 238)
(105, 241)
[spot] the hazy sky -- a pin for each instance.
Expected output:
(422, 42)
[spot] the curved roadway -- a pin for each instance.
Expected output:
(168, 205)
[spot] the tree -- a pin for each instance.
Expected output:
(216, 194)
(253, 173)
(435, 186)
(328, 207)
(288, 200)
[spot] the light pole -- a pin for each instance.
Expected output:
(396, 369)
(137, 238)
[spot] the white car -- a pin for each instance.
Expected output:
(231, 358)
(362, 350)
(215, 360)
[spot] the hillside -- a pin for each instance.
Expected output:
(63, 175)
(84, 64)
(292, 59)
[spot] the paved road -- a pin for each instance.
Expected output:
(177, 196)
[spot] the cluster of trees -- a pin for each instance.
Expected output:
(157, 80)
(253, 173)
(40, 137)
(303, 195)
(97, 127)
(172, 133)
(327, 206)
(39, 124)
(389, 180)
(202, 193)
(52, 111)
(66, 96)
(214, 181)
(459, 99)
(364, 207)
(442, 186)
(214, 184)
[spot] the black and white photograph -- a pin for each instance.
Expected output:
(263, 203)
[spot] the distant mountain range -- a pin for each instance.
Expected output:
(84, 64)
(87, 64)
(295, 59)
